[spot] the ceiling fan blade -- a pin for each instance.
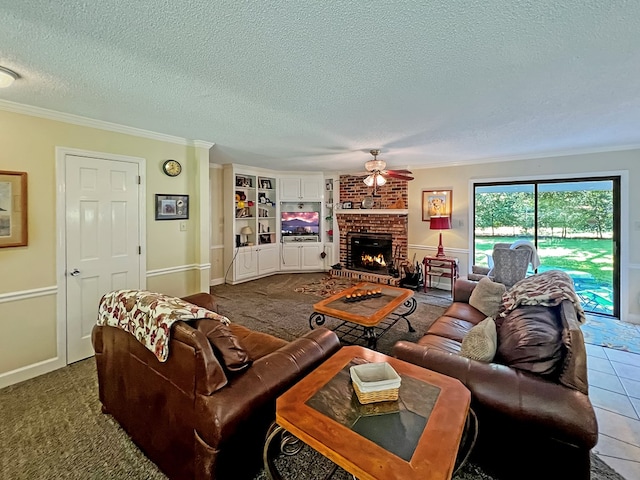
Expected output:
(400, 171)
(399, 176)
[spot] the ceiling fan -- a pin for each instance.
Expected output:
(377, 175)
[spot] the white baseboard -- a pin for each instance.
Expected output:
(30, 371)
(216, 281)
(633, 318)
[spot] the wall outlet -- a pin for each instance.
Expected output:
(183, 226)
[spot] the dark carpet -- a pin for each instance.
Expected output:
(51, 427)
(281, 305)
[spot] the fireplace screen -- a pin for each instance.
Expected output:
(369, 252)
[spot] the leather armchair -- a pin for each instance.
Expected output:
(191, 415)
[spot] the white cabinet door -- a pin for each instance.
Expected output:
(246, 263)
(290, 189)
(290, 257)
(308, 188)
(311, 188)
(302, 257)
(267, 259)
(310, 258)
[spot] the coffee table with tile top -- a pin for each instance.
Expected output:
(417, 436)
(366, 319)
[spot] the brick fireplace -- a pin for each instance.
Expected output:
(387, 215)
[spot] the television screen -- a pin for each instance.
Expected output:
(300, 223)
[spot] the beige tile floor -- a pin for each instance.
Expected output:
(614, 389)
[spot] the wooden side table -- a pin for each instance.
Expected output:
(440, 267)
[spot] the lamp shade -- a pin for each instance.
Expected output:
(369, 181)
(246, 230)
(440, 223)
(375, 178)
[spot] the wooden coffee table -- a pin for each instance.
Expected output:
(416, 437)
(365, 319)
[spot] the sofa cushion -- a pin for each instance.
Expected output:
(257, 344)
(530, 338)
(487, 296)
(481, 342)
(225, 344)
(440, 343)
(452, 328)
(464, 312)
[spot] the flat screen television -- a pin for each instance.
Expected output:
(300, 223)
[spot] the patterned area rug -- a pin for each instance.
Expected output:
(326, 286)
(611, 333)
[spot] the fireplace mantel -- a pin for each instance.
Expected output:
(372, 211)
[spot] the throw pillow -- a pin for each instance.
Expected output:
(225, 344)
(481, 342)
(487, 297)
(530, 338)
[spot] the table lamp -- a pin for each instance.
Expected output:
(245, 232)
(440, 223)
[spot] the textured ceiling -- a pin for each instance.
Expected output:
(313, 85)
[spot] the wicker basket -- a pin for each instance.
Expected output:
(375, 382)
(378, 396)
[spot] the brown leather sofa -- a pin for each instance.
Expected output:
(530, 425)
(194, 415)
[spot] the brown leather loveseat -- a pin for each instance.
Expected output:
(205, 411)
(531, 425)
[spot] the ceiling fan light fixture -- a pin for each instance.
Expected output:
(7, 77)
(369, 180)
(373, 165)
(380, 180)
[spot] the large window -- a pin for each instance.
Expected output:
(574, 225)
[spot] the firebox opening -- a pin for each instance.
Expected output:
(369, 252)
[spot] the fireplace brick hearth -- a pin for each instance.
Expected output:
(388, 197)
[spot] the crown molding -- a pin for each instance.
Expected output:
(99, 124)
(529, 156)
(203, 144)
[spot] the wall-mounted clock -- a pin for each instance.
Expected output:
(172, 168)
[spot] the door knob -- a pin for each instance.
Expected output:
(75, 272)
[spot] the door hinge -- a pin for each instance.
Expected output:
(139, 250)
(139, 180)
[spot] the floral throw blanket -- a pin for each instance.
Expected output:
(148, 316)
(549, 289)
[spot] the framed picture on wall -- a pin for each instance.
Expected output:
(13, 209)
(436, 203)
(172, 207)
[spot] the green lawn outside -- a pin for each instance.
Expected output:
(590, 256)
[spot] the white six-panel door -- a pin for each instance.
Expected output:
(102, 241)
